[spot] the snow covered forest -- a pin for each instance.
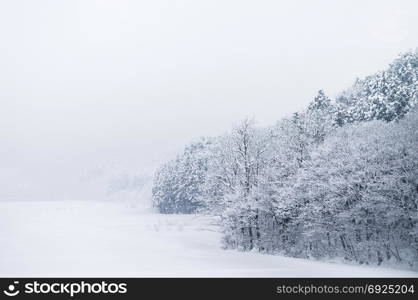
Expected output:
(336, 180)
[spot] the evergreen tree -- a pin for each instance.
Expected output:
(386, 95)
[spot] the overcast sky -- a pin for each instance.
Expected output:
(93, 85)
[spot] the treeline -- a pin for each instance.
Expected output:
(339, 179)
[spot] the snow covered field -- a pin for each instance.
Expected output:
(82, 238)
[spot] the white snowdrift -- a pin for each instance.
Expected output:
(82, 238)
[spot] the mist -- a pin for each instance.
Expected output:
(90, 90)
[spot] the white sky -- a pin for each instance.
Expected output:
(124, 84)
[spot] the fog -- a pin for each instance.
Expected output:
(90, 90)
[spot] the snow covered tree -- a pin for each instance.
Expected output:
(179, 184)
(360, 198)
(335, 180)
(240, 164)
(320, 117)
(386, 95)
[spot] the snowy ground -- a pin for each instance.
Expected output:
(74, 238)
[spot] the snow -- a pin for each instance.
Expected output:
(125, 239)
